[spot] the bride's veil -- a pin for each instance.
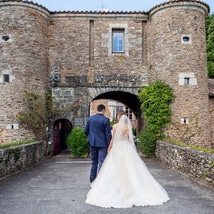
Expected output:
(124, 130)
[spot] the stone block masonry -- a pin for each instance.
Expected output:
(21, 157)
(199, 165)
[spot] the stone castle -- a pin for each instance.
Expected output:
(87, 56)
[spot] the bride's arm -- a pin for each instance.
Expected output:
(112, 139)
(110, 146)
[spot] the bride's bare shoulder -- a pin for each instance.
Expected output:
(115, 126)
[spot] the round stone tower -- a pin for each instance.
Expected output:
(177, 56)
(23, 61)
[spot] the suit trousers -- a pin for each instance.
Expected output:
(98, 155)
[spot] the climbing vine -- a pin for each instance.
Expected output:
(38, 110)
(155, 104)
(36, 113)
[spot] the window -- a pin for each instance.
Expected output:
(186, 39)
(5, 38)
(6, 78)
(117, 40)
(186, 80)
(129, 113)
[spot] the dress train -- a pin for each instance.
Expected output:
(124, 181)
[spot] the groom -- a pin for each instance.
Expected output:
(98, 130)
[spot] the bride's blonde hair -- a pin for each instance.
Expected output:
(120, 113)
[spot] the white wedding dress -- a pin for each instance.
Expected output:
(124, 180)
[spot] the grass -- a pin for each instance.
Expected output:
(13, 144)
(195, 147)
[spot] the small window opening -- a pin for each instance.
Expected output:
(186, 39)
(186, 81)
(6, 78)
(5, 38)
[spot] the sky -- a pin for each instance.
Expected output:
(113, 5)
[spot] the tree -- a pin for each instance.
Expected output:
(210, 44)
(38, 110)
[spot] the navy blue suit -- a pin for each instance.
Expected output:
(98, 130)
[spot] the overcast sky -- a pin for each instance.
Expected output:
(96, 5)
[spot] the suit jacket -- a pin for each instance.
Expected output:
(98, 130)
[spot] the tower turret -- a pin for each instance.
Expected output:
(23, 61)
(177, 56)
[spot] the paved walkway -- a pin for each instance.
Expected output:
(59, 186)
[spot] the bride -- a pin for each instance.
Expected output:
(124, 180)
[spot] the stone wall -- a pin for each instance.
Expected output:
(196, 164)
(18, 158)
(80, 45)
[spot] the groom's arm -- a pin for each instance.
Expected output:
(108, 131)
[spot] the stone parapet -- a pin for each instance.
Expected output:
(196, 164)
(18, 158)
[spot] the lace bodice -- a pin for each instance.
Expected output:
(122, 131)
(124, 136)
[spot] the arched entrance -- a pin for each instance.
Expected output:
(128, 99)
(61, 129)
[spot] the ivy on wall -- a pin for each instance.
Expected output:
(155, 104)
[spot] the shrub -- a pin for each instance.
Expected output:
(77, 142)
(147, 141)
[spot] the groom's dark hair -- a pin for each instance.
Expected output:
(101, 107)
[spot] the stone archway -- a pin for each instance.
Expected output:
(61, 129)
(128, 99)
(64, 96)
